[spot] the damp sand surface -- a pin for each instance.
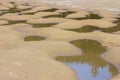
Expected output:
(34, 37)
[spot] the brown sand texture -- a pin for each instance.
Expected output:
(22, 59)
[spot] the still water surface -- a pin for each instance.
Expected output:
(89, 65)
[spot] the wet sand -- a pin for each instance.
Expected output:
(33, 58)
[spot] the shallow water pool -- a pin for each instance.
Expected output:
(89, 65)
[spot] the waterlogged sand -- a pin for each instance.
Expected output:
(34, 60)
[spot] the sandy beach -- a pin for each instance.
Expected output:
(32, 35)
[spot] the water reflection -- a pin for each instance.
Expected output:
(89, 66)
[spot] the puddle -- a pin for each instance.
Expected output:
(43, 25)
(113, 29)
(94, 16)
(89, 28)
(47, 10)
(89, 65)
(51, 16)
(90, 16)
(64, 14)
(50, 10)
(3, 12)
(16, 22)
(25, 4)
(12, 2)
(86, 28)
(60, 15)
(29, 13)
(13, 10)
(34, 38)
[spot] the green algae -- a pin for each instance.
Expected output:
(34, 38)
(43, 25)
